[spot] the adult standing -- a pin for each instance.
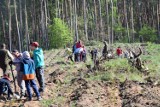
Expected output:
(119, 52)
(17, 62)
(79, 50)
(5, 58)
(105, 50)
(73, 51)
(38, 58)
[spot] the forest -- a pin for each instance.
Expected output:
(53, 22)
(96, 53)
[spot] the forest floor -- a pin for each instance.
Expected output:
(115, 84)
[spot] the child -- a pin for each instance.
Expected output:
(5, 87)
(29, 77)
(94, 53)
(38, 58)
(84, 52)
(69, 53)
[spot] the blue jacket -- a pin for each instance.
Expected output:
(29, 69)
(38, 57)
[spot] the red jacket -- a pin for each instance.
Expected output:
(78, 45)
(119, 51)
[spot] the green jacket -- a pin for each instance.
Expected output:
(38, 57)
(5, 57)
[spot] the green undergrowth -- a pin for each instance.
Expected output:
(121, 70)
(47, 103)
(153, 59)
(117, 69)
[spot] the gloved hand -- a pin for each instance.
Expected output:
(10, 62)
(16, 96)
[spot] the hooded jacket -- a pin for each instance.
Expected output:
(29, 69)
(38, 57)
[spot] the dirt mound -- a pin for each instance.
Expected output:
(91, 94)
(135, 94)
(57, 76)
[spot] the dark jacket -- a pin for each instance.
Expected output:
(73, 48)
(4, 83)
(105, 48)
(5, 57)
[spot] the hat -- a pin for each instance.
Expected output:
(35, 44)
(3, 45)
(26, 54)
(15, 50)
(5, 76)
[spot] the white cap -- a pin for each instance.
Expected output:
(26, 54)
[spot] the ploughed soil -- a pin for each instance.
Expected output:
(67, 86)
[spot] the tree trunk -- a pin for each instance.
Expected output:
(112, 36)
(21, 22)
(26, 28)
(75, 16)
(9, 29)
(71, 18)
(46, 24)
(139, 16)
(43, 23)
(95, 20)
(126, 21)
(158, 22)
(101, 21)
(132, 22)
(17, 25)
(59, 12)
(4, 29)
(108, 26)
(33, 20)
(85, 20)
(66, 11)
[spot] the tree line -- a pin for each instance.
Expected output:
(24, 21)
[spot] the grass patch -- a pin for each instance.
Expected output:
(118, 69)
(116, 64)
(60, 100)
(47, 103)
(107, 76)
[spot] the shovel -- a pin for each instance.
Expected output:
(15, 88)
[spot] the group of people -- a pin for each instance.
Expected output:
(110, 54)
(28, 66)
(78, 51)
